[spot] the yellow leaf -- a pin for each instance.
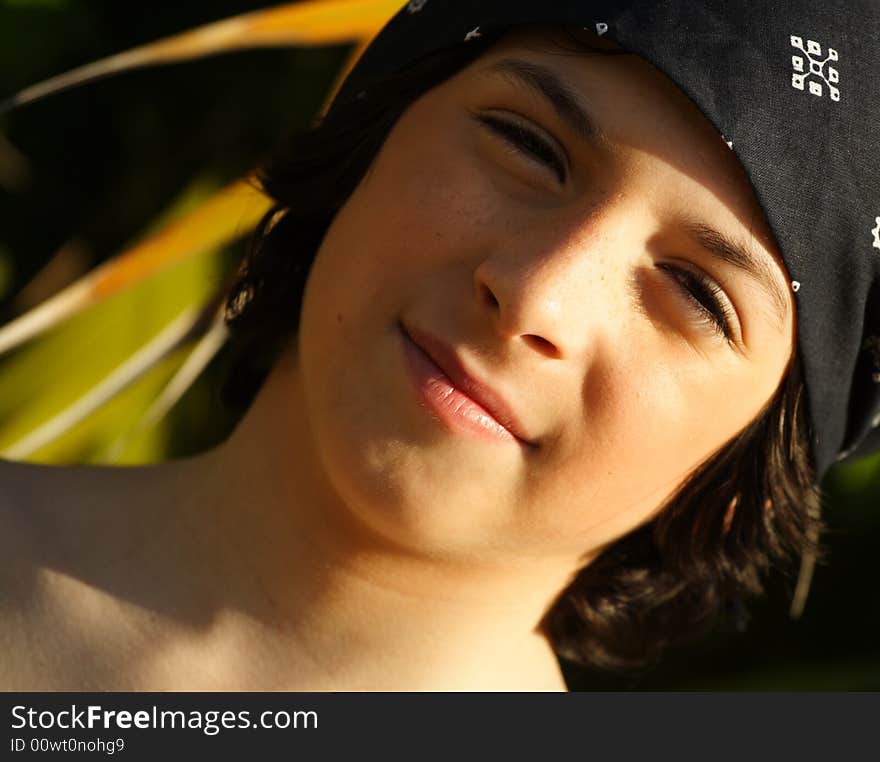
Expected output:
(318, 22)
(230, 213)
(225, 216)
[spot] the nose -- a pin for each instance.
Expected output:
(554, 295)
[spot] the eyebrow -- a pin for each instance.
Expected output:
(552, 88)
(744, 258)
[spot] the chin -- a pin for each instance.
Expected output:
(417, 494)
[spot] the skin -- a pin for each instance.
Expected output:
(343, 537)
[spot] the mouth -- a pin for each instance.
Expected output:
(454, 397)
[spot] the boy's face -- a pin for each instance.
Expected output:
(569, 232)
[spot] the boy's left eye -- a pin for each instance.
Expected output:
(706, 299)
(527, 141)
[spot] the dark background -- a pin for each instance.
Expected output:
(100, 163)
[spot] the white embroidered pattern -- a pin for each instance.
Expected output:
(474, 34)
(810, 70)
(416, 5)
(795, 286)
(601, 28)
(876, 232)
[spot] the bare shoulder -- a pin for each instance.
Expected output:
(46, 511)
(64, 532)
(22, 596)
(22, 491)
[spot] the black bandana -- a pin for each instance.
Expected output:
(794, 88)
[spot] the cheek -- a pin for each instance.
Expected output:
(425, 207)
(417, 218)
(626, 454)
(401, 223)
(386, 249)
(639, 438)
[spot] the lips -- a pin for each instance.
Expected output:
(454, 395)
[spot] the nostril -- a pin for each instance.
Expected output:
(489, 297)
(542, 345)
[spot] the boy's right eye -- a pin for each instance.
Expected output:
(527, 142)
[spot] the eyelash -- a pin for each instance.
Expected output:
(700, 290)
(705, 295)
(527, 142)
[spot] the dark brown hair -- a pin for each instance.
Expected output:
(751, 506)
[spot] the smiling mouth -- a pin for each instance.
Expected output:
(446, 400)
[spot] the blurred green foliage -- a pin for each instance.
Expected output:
(35, 4)
(101, 166)
(104, 162)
